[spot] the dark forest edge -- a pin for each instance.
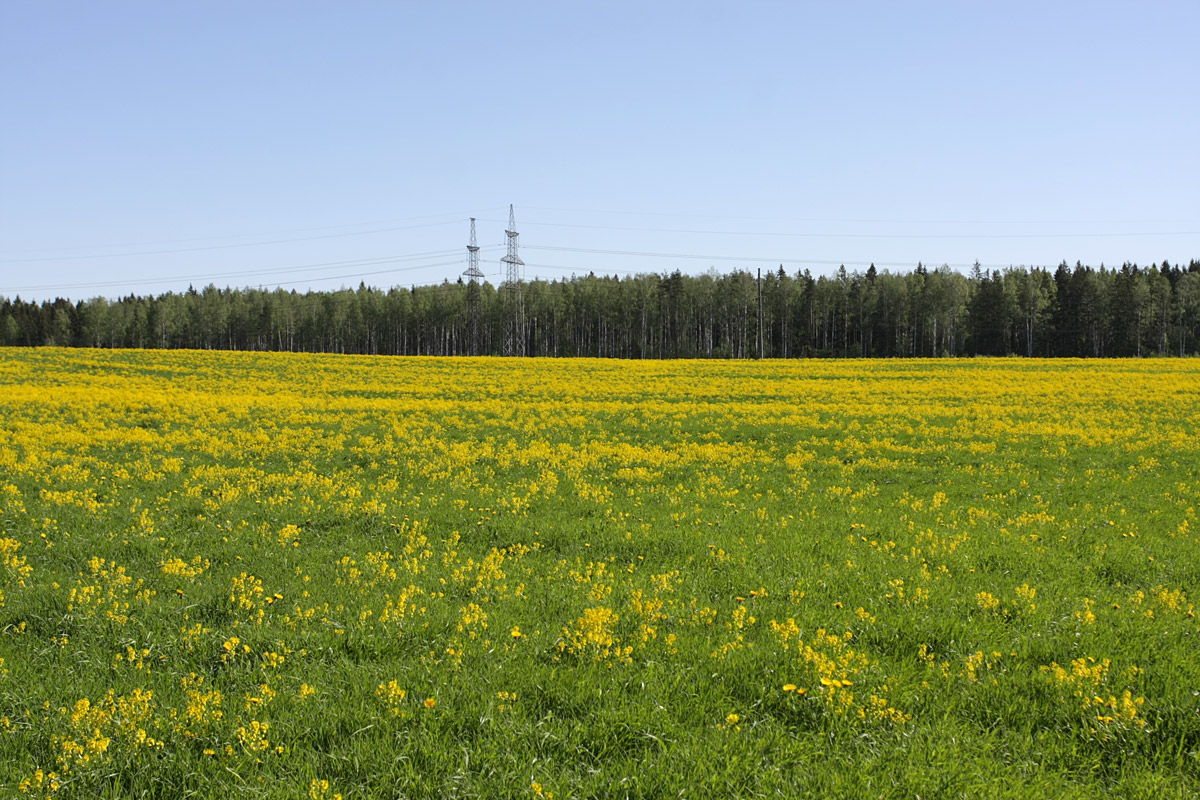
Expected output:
(1075, 311)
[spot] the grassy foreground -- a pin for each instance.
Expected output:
(282, 576)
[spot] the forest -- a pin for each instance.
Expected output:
(1077, 311)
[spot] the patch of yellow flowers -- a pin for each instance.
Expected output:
(217, 526)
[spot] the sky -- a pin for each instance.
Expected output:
(149, 146)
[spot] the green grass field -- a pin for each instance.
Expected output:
(290, 576)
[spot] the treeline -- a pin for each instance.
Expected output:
(1070, 311)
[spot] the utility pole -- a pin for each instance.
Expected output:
(473, 274)
(514, 310)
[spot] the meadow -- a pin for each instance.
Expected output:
(286, 575)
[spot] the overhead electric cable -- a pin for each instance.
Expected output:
(753, 259)
(222, 246)
(365, 274)
(813, 235)
(240, 274)
(577, 270)
(393, 221)
(593, 212)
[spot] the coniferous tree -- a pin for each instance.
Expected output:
(1077, 311)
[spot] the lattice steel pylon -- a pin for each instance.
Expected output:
(514, 307)
(473, 274)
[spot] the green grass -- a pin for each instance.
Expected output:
(942, 535)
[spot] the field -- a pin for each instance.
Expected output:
(285, 576)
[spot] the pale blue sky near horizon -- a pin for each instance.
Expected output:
(147, 146)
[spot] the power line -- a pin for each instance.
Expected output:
(244, 274)
(425, 284)
(222, 246)
(858, 219)
(752, 259)
(456, 217)
(365, 274)
(444, 281)
(812, 235)
(382, 260)
(565, 268)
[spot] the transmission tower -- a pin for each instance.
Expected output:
(514, 309)
(473, 274)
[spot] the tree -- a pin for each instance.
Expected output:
(877, 313)
(1093, 311)
(1035, 294)
(990, 317)
(1187, 303)
(1158, 302)
(10, 331)
(60, 333)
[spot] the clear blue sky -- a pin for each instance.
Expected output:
(149, 145)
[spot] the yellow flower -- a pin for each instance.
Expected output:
(789, 687)
(430, 702)
(733, 719)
